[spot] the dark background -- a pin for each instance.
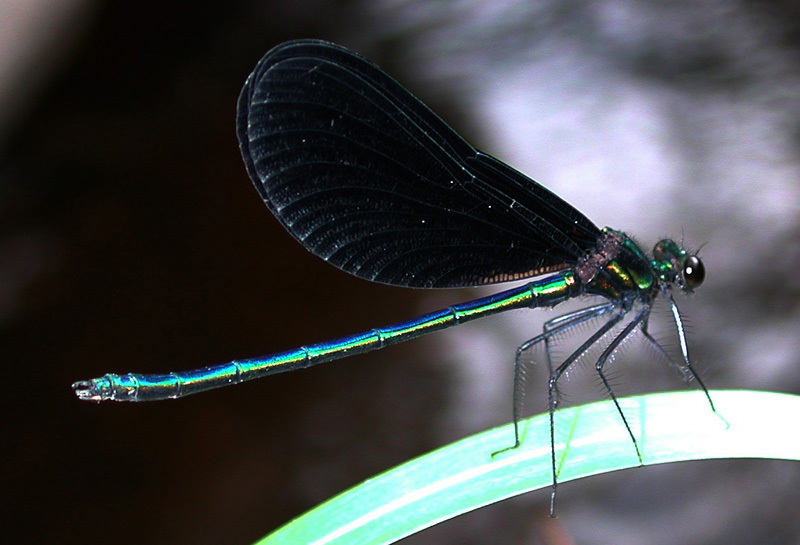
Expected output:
(132, 240)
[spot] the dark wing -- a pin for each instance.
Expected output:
(368, 178)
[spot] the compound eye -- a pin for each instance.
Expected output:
(694, 272)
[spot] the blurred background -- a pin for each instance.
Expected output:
(132, 240)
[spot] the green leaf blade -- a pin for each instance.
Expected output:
(464, 476)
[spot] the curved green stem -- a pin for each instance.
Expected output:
(463, 476)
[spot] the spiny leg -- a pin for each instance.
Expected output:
(553, 388)
(660, 349)
(550, 328)
(640, 317)
(676, 315)
(561, 324)
(686, 372)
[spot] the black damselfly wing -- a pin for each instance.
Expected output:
(367, 177)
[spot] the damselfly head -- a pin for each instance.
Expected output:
(676, 266)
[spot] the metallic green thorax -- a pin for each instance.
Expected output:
(618, 269)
